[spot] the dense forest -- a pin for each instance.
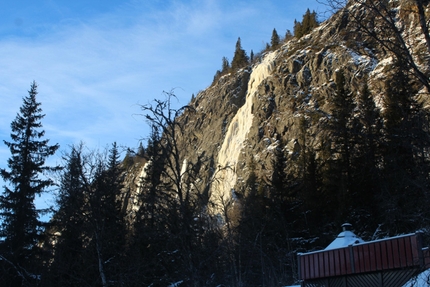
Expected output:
(370, 167)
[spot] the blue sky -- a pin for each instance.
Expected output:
(96, 61)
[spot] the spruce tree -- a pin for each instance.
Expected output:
(338, 176)
(105, 216)
(240, 59)
(149, 232)
(279, 176)
(141, 150)
(365, 155)
(288, 35)
(297, 29)
(69, 227)
(404, 148)
(305, 182)
(20, 227)
(89, 225)
(275, 40)
(225, 66)
(309, 22)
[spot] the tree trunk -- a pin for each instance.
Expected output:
(100, 259)
(423, 23)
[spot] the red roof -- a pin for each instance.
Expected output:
(388, 254)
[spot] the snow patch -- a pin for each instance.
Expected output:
(184, 167)
(421, 280)
(379, 68)
(362, 60)
(344, 239)
(142, 175)
(176, 284)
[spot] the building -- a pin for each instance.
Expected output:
(351, 262)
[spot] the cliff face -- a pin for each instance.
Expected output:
(244, 115)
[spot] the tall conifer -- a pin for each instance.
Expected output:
(69, 225)
(20, 227)
(240, 59)
(309, 22)
(339, 168)
(275, 40)
(404, 148)
(225, 66)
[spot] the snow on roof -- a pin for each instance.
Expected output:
(345, 238)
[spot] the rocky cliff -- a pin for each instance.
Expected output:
(244, 115)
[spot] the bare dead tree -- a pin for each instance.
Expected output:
(185, 202)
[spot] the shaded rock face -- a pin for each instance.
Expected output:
(243, 115)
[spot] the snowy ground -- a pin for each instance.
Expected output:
(422, 280)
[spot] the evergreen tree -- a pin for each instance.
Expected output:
(309, 22)
(153, 148)
(141, 150)
(338, 173)
(249, 228)
(297, 29)
(114, 213)
(365, 155)
(343, 107)
(128, 159)
(150, 236)
(69, 227)
(225, 69)
(105, 216)
(225, 66)
(262, 231)
(216, 77)
(275, 40)
(20, 228)
(149, 196)
(305, 184)
(279, 176)
(147, 246)
(404, 180)
(240, 59)
(89, 226)
(288, 35)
